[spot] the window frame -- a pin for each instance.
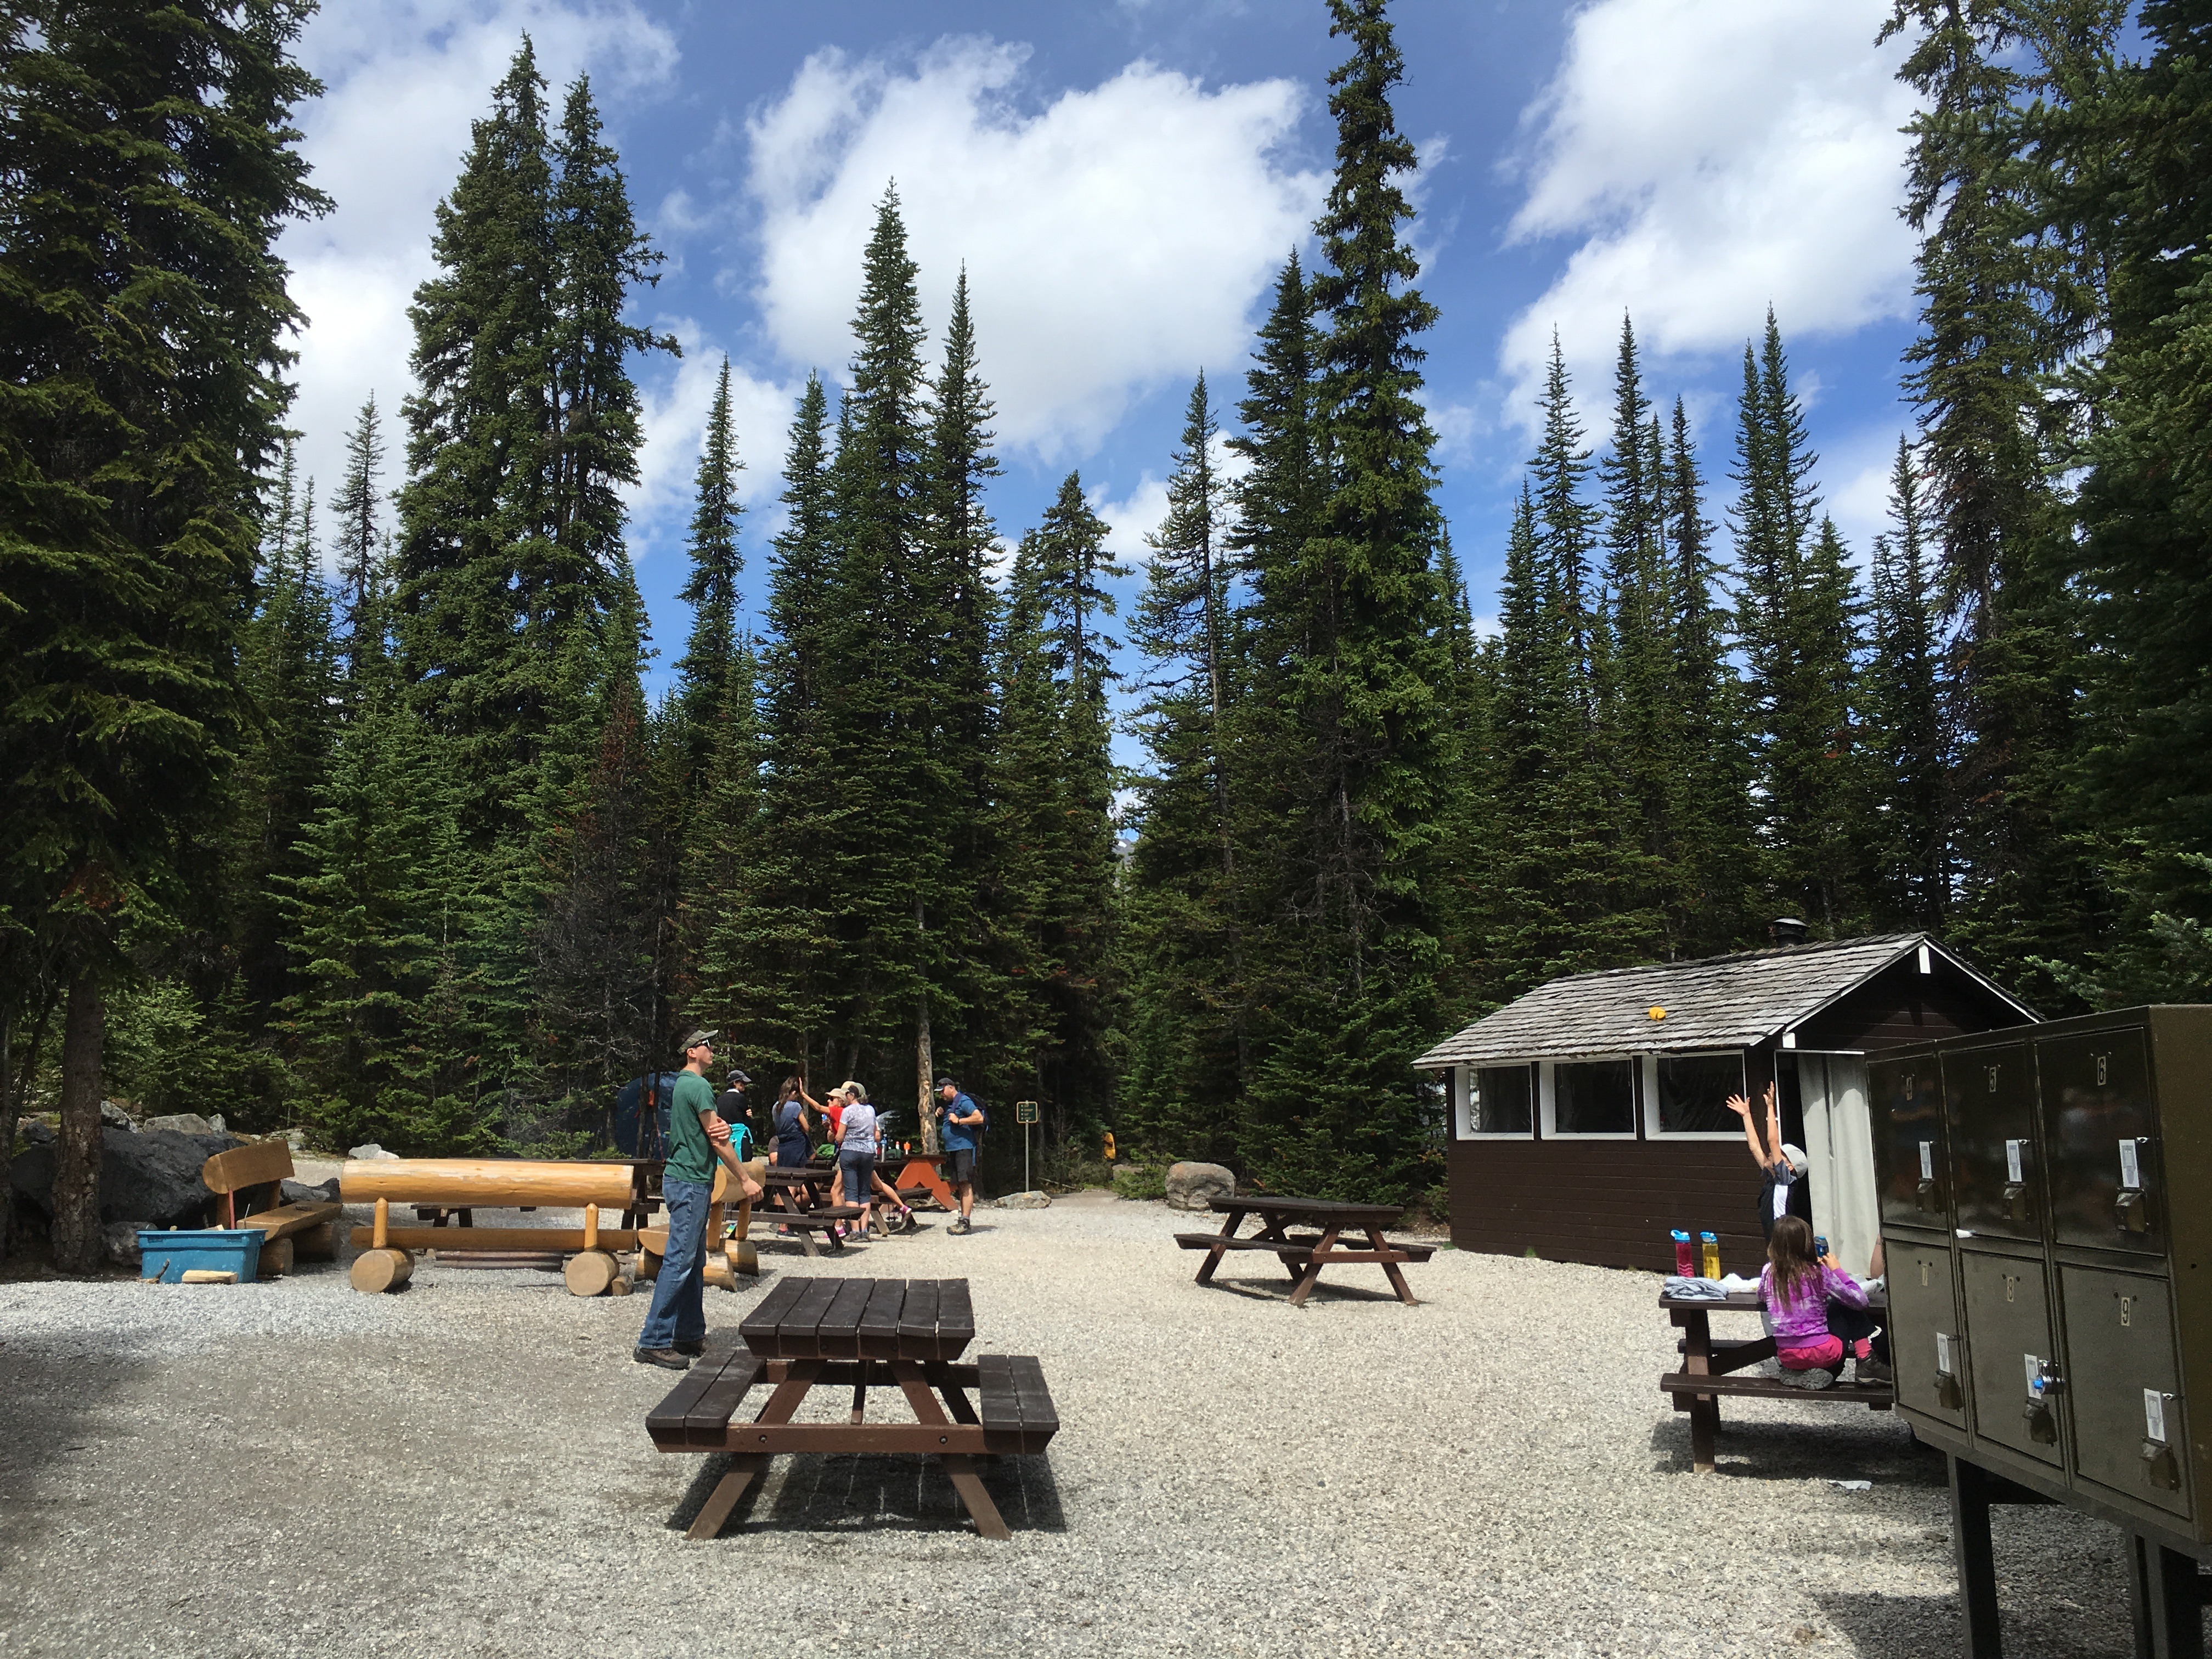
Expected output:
(1463, 1077)
(1650, 1084)
(1548, 1116)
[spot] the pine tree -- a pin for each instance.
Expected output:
(1907, 858)
(1334, 1100)
(149, 166)
(358, 531)
(702, 674)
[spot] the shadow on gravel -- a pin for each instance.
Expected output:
(1810, 1450)
(864, 1493)
(1927, 1626)
(1279, 1291)
(49, 1401)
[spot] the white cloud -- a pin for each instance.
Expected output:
(403, 79)
(677, 399)
(1712, 156)
(1130, 520)
(1115, 240)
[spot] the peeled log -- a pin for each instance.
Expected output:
(486, 1182)
(716, 1272)
(319, 1243)
(275, 1259)
(744, 1255)
(381, 1270)
(589, 1273)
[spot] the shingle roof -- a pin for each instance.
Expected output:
(1720, 1002)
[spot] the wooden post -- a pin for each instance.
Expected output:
(383, 1224)
(376, 1271)
(589, 1273)
(592, 1229)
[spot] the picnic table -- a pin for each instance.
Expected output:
(1710, 1367)
(857, 1333)
(1304, 1254)
(799, 1198)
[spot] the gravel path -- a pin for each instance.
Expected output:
(463, 1469)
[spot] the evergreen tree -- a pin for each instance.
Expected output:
(358, 530)
(150, 164)
(1334, 1100)
(1908, 862)
(702, 674)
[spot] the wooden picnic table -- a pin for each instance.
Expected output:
(857, 1333)
(797, 1198)
(1709, 1367)
(1304, 1254)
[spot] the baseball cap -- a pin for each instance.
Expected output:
(739, 1077)
(698, 1037)
(946, 1083)
(1796, 1154)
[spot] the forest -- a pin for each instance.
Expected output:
(347, 808)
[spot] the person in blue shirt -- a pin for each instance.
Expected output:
(962, 1137)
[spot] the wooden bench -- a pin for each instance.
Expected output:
(1712, 1368)
(1317, 1243)
(857, 1333)
(250, 1181)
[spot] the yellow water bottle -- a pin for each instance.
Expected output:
(1711, 1245)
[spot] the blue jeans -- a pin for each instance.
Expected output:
(857, 1168)
(679, 1306)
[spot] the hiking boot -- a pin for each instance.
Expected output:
(960, 1226)
(1872, 1370)
(667, 1357)
(694, 1349)
(1815, 1378)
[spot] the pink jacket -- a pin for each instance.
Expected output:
(1805, 1321)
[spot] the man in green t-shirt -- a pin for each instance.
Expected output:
(676, 1326)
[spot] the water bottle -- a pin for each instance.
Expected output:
(1712, 1247)
(1686, 1259)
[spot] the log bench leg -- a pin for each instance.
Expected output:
(1397, 1279)
(1311, 1276)
(1705, 1419)
(745, 1467)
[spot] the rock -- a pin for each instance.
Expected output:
(121, 1238)
(1195, 1186)
(151, 1177)
(299, 1192)
(371, 1150)
(216, 1124)
(116, 1118)
(295, 1139)
(36, 1131)
(182, 1123)
(1030, 1200)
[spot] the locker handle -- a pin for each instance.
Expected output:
(2131, 1210)
(2042, 1424)
(1931, 1201)
(2159, 1468)
(1949, 1393)
(2015, 1198)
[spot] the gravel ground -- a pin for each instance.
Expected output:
(463, 1469)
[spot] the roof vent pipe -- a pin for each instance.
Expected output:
(1786, 930)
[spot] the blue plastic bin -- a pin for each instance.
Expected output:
(165, 1255)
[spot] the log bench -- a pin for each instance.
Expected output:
(250, 1181)
(857, 1334)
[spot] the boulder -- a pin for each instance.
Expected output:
(37, 1131)
(115, 1117)
(216, 1123)
(1195, 1186)
(299, 1192)
(121, 1238)
(182, 1123)
(151, 1177)
(371, 1150)
(1030, 1201)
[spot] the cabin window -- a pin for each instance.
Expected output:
(1497, 1100)
(1591, 1097)
(1689, 1093)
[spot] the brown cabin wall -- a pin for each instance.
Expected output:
(1610, 1203)
(1901, 1005)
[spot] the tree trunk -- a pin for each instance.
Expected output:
(7, 1136)
(925, 1057)
(77, 1245)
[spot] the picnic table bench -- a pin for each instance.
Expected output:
(250, 1181)
(1712, 1368)
(857, 1333)
(796, 1198)
(1305, 1254)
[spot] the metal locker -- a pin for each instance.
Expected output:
(2129, 1427)
(1931, 1365)
(2100, 1127)
(1988, 1096)
(2013, 1354)
(1911, 1161)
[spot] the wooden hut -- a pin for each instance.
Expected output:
(1588, 1118)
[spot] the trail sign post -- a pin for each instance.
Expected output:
(1025, 1113)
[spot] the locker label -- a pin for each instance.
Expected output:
(2034, 1376)
(2154, 1415)
(2012, 1162)
(1928, 1160)
(2130, 1159)
(1943, 1355)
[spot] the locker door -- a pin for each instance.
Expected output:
(1925, 1345)
(1911, 1159)
(2130, 1429)
(2100, 1142)
(2008, 1339)
(1989, 1098)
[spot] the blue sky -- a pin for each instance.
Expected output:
(1122, 177)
